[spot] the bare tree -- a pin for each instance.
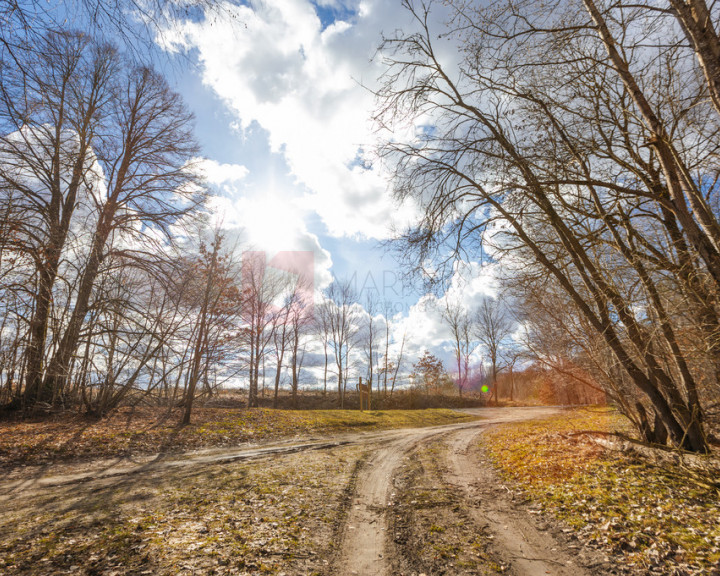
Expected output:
(342, 318)
(429, 372)
(398, 363)
(262, 288)
(281, 336)
(493, 329)
(324, 331)
(52, 108)
(97, 154)
(217, 303)
(300, 324)
(151, 182)
(135, 24)
(464, 342)
(593, 185)
(370, 337)
(387, 314)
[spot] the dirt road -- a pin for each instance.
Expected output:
(518, 546)
(459, 494)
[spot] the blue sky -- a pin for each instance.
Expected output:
(282, 94)
(358, 258)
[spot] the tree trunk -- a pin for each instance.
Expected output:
(277, 379)
(325, 373)
(512, 383)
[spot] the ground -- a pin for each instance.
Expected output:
(447, 499)
(132, 431)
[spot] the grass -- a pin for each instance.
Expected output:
(654, 519)
(145, 432)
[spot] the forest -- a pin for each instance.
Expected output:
(577, 145)
(114, 288)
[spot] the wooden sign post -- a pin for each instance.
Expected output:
(364, 390)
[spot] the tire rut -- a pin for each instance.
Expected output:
(363, 548)
(517, 542)
(365, 545)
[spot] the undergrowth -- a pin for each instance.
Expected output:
(147, 432)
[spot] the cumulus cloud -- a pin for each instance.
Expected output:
(300, 70)
(218, 174)
(424, 327)
(278, 64)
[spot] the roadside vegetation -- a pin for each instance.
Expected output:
(571, 145)
(656, 518)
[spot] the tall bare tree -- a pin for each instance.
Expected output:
(300, 326)
(98, 156)
(601, 186)
(494, 327)
(147, 160)
(54, 103)
(217, 305)
(262, 291)
(464, 341)
(370, 337)
(323, 329)
(342, 319)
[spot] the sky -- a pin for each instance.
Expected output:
(282, 94)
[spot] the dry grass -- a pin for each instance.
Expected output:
(144, 431)
(655, 520)
(272, 516)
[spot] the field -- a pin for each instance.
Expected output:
(658, 518)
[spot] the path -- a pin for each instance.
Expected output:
(528, 551)
(518, 540)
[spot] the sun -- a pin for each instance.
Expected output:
(273, 222)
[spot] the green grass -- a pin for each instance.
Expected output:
(286, 421)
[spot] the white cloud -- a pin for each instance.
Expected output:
(217, 173)
(424, 327)
(273, 62)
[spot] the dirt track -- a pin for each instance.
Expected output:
(517, 543)
(515, 540)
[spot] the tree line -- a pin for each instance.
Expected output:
(111, 285)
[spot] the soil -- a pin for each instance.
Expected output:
(412, 501)
(382, 538)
